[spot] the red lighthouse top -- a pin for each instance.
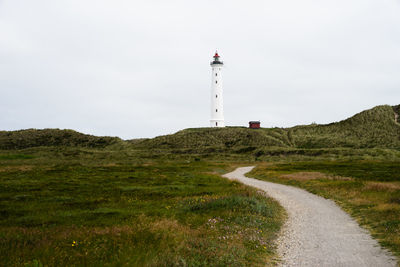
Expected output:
(216, 59)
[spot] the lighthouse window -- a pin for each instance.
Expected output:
(216, 96)
(216, 74)
(216, 81)
(216, 110)
(216, 124)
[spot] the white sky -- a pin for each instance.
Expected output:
(141, 68)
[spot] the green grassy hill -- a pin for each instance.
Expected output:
(373, 128)
(218, 138)
(52, 137)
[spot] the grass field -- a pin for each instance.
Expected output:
(368, 190)
(70, 199)
(74, 207)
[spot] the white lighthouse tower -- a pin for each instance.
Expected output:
(217, 101)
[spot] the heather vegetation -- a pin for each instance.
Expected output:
(70, 199)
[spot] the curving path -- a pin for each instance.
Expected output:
(318, 232)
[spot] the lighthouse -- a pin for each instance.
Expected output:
(217, 101)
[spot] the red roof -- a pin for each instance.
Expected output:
(216, 54)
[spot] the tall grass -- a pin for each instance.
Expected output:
(374, 128)
(52, 137)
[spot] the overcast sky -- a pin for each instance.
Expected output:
(141, 68)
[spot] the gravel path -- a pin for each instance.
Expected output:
(318, 232)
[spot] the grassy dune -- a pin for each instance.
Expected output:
(371, 128)
(52, 137)
(374, 128)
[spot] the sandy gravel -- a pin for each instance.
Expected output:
(318, 232)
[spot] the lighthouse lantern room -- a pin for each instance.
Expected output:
(217, 102)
